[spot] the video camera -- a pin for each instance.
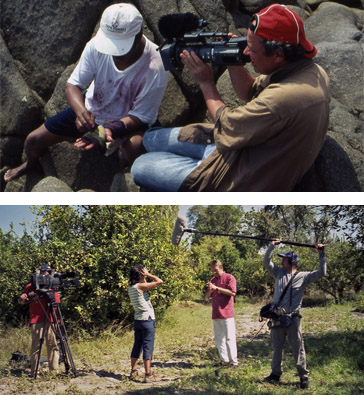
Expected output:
(185, 32)
(54, 281)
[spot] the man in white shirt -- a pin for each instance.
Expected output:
(125, 81)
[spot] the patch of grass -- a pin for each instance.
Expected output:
(186, 357)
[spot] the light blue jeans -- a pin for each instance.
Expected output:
(168, 161)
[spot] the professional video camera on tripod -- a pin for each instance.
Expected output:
(42, 296)
(185, 32)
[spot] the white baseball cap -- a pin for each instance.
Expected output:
(119, 25)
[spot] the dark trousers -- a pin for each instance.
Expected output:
(144, 334)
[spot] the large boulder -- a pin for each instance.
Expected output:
(21, 109)
(51, 184)
(337, 32)
(46, 36)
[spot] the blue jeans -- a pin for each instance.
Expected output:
(144, 334)
(167, 162)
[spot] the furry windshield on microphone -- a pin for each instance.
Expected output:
(177, 25)
(178, 230)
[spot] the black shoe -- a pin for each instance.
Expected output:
(273, 378)
(304, 382)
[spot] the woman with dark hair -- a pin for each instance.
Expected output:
(144, 319)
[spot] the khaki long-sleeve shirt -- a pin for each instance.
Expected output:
(269, 143)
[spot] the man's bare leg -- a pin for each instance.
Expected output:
(34, 146)
(130, 149)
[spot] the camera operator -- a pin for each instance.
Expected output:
(38, 301)
(269, 143)
(290, 307)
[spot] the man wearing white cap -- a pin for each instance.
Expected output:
(125, 81)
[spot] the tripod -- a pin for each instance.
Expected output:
(59, 329)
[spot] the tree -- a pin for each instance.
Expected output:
(100, 244)
(226, 219)
(345, 272)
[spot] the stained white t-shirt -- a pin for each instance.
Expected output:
(112, 93)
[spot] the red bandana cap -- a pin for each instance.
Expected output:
(279, 23)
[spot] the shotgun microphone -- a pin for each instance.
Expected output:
(178, 230)
(177, 25)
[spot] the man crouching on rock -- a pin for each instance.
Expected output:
(125, 81)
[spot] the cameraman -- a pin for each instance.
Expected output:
(269, 143)
(291, 303)
(38, 301)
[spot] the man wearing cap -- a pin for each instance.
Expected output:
(38, 302)
(125, 81)
(290, 307)
(269, 143)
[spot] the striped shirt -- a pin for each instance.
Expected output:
(143, 308)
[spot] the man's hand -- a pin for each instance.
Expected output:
(199, 70)
(82, 142)
(23, 298)
(211, 286)
(320, 248)
(85, 120)
(276, 242)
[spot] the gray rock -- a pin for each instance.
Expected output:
(174, 109)
(58, 101)
(331, 172)
(80, 168)
(253, 6)
(46, 36)
(332, 22)
(21, 108)
(51, 184)
(123, 182)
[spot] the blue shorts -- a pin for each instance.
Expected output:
(63, 124)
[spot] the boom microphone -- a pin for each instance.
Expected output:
(177, 25)
(178, 230)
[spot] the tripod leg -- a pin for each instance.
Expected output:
(41, 341)
(63, 338)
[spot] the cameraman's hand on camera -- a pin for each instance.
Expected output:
(199, 70)
(23, 298)
(204, 76)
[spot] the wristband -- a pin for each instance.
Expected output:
(117, 127)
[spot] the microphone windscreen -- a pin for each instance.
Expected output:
(178, 230)
(176, 25)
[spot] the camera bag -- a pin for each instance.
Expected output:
(268, 310)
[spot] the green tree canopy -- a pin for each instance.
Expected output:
(100, 244)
